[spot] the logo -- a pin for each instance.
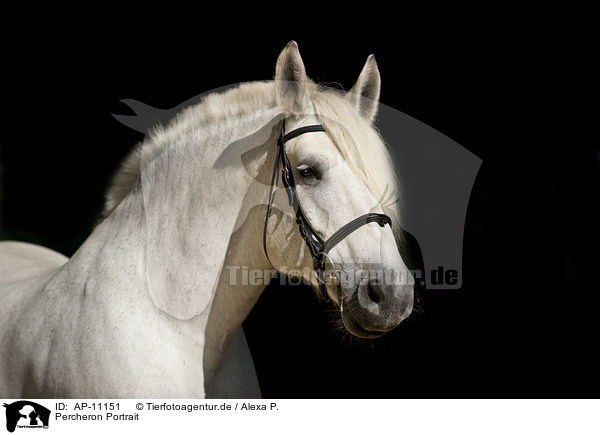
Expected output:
(24, 414)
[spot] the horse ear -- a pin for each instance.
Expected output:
(291, 80)
(365, 93)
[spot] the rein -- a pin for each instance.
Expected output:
(318, 247)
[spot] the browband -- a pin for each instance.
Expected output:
(318, 247)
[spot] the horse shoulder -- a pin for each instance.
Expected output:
(20, 261)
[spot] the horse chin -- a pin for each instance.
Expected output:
(354, 328)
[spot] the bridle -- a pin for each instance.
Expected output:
(318, 247)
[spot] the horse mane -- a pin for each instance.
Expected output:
(359, 143)
(212, 109)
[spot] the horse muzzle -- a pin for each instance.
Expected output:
(371, 308)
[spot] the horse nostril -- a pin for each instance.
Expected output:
(373, 294)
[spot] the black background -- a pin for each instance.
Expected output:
(525, 323)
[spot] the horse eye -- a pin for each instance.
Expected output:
(306, 171)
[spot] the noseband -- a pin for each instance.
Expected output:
(318, 247)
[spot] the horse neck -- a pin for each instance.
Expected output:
(245, 274)
(109, 268)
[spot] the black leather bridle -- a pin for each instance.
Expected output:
(318, 247)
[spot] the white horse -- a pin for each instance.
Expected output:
(151, 305)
